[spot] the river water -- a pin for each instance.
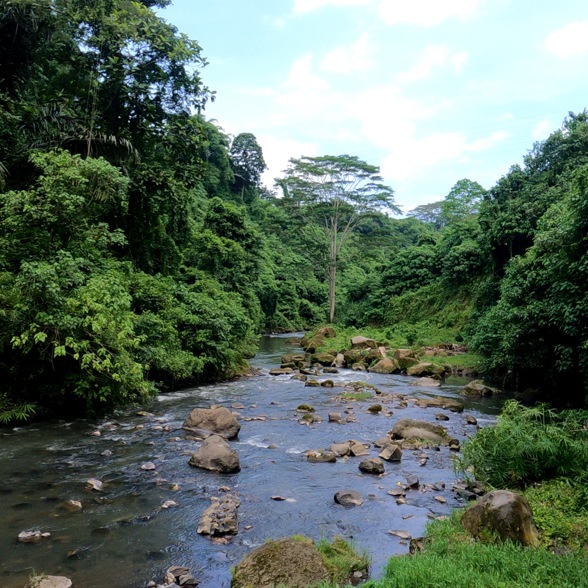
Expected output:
(123, 537)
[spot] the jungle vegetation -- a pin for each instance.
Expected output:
(140, 252)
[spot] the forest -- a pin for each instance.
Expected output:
(140, 251)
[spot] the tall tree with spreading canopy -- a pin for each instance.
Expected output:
(335, 192)
(247, 163)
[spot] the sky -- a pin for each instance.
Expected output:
(430, 91)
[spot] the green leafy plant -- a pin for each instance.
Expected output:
(528, 445)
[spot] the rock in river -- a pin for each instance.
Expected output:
(215, 455)
(219, 421)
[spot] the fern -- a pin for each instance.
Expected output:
(10, 412)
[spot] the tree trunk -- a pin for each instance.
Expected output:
(332, 269)
(332, 273)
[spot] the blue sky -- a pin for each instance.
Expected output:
(431, 91)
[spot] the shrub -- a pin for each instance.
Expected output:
(528, 445)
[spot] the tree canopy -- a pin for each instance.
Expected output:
(336, 192)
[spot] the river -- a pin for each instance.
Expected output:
(123, 537)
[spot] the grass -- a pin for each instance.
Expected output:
(342, 559)
(452, 558)
(560, 510)
(463, 360)
(356, 396)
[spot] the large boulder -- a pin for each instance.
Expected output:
(215, 455)
(414, 429)
(293, 358)
(311, 345)
(404, 353)
(352, 356)
(291, 562)
(406, 362)
(220, 421)
(385, 366)
(478, 388)
(323, 358)
(426, 369)
(327, 332)
(360, 342)
(502, 513)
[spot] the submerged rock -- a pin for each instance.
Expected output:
(49, 582)
(71, 506)
(221, 517)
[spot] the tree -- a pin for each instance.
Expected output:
(537, 333)
(429, 213)
(463, 201)
(247, 162)
(336, 192)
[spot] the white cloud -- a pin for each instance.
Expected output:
(434, 56)
(541, 130)
(302, 78)
(427, 13)
(568, 41)
(304, 6)
(351, 58)
(458, 60)
(277, 152)
(413, 156)
(488, 142)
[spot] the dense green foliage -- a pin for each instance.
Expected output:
(529, 445)
(140, 252)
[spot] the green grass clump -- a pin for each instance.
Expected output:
(342, 559)
(463, 360)
(560, 510)
(452, 559)
(356, 396)
(528, 445)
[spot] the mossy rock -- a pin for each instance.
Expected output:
(291, 562)
(327, 332)
(323, 359)
(313, 344)
(305, 408)
(404, 363)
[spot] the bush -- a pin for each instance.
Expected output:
(528, 445)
